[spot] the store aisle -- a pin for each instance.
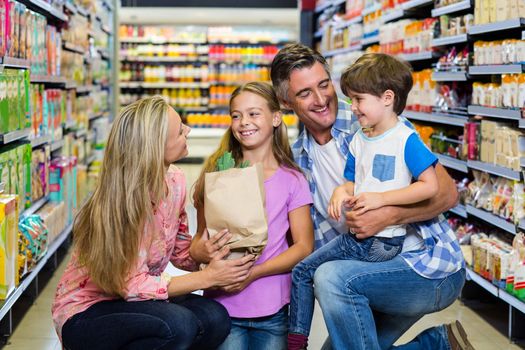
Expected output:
(36, 330)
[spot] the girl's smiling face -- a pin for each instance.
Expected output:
(252, 120)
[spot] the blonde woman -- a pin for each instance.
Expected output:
(114, 293)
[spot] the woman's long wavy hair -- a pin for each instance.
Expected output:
(109, 227)
(280, 144)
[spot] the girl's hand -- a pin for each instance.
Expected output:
(366, 201)
(206, 248)
(227, 272)
(239, 287)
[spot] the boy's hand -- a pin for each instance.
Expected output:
(366, 201)
(338, 198)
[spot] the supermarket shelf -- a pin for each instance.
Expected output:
(459, 210)
(47, 79)
(449, 40)
(436, 118)
(70, 7)
(26, 281)
(137, 84)
(349, 22)
(157, 59)
(80, 133)
(73, 48)
(496, 69)
(322, 7)
(370, 40)
(352, 48)
(319, 33)
(14, 136)
(512, 300)
(521, 224)
(45, 9)
(106, 29)
(522, 124)
(84, 89)
(371, 9)
(494, 169)
(393, 15)
(492, 289)
(91, 159)
(57, 145)
(452, 163)
(103, 54)
(491, 219)
(71, 84)
(449, 76)
(463, 5)
(34, 207)
(96, 115)
(12, 62)
(69, 124)
(503, 113)
(40, 141)
(497, 26)
(108, 5)
(202, 133)
(411, 57)
(157, 40)
(409, 5)
(82, 11)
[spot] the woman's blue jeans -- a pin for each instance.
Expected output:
(186, 322)
(369, 305)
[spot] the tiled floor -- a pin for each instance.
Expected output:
(484, 322)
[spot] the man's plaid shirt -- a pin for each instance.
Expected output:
(442, 255)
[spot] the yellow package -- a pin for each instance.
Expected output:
(8, 243)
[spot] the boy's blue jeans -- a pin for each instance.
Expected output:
(344, 247)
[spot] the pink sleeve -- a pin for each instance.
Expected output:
(141, 285)
(180, 257)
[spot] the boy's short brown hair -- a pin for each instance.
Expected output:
(374, 73)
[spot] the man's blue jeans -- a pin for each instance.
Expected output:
(261, 333)
(369, 305)
(344, 247)
(186, 322)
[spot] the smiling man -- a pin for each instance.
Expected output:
(368, 305)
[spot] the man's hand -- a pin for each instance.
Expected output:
(368, 224)
(207, 248)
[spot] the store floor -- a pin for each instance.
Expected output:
(485, 322)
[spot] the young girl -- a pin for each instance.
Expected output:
(258, 306)
(114, 294)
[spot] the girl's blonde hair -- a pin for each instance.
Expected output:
(109, 227)
(280, 144)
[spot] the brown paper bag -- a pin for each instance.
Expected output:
(234, 199)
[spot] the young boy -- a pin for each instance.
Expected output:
(384, 156)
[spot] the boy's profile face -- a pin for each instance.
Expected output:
(312, 96)
(369, 109)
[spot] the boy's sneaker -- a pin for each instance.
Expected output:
(457, 337)
(297, 341)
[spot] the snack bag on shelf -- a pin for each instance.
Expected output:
(237, 187)
(8, 243)
(36, 235)
(516, 278)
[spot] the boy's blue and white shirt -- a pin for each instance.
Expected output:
(442, 254)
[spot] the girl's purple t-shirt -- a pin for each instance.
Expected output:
(286, 190)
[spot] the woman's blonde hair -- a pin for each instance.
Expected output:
(109, 227)
(280, 144)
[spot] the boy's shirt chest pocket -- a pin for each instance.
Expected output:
(384, 167)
